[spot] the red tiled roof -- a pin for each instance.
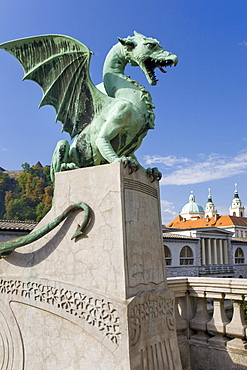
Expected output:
(238, 221)
(222, 221)
(175, 221)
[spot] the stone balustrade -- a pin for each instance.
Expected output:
(210, 321)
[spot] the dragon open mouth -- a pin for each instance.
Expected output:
(151, 64)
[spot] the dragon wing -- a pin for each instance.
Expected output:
(60, 65)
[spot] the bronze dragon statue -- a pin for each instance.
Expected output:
(108, 121)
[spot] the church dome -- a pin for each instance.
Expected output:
(192, 208)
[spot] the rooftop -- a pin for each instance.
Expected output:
(17, 225)
(219, 221)
(167, 235)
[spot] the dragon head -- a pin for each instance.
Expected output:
(147, 53)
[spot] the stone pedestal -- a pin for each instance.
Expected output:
(100, 302)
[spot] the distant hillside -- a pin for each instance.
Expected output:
(14, 174)
(25, 195)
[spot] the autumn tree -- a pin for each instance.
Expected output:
(6, 184)
(30, 196)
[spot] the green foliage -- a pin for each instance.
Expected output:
(6, 184)
(29, 196)
(41, 210)
(245, 310)
(20, 209)
(26, 166)
(243, 304)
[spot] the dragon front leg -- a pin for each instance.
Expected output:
(130, 162)
(110, 155)
(116, 127)
(152, 173)
(124, 123)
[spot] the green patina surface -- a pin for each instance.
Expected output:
(108, 122)
(10, 245)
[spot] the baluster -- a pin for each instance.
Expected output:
(237, 327)
(200, 320)
(181, 308)
(217, 325)
(181, 324)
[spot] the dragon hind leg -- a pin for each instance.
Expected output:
(61, 160)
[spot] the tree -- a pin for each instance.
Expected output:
(26, 167)
(6, 184)
(29, 197)
(8, 198)
(20, 209)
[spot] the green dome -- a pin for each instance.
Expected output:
(192, 206)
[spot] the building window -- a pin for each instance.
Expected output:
(168, 256)
(239, 256)
(186, 256)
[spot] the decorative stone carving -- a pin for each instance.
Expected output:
(152, 327)
(99, 313)
(153, 308)
(11, 347)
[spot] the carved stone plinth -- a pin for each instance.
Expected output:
(98, 302)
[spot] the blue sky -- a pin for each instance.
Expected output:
(200, 137)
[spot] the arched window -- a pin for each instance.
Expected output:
(239, 255)
(168, 256)
(186, 256)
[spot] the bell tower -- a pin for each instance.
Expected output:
(210, 210)
(236, 209)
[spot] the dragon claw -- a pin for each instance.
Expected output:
(125, 163)
(154, 174)
(132, 169)
(131, 163)
(68, 166)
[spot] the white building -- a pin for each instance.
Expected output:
(204, 243)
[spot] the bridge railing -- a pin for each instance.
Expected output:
(210, 318)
